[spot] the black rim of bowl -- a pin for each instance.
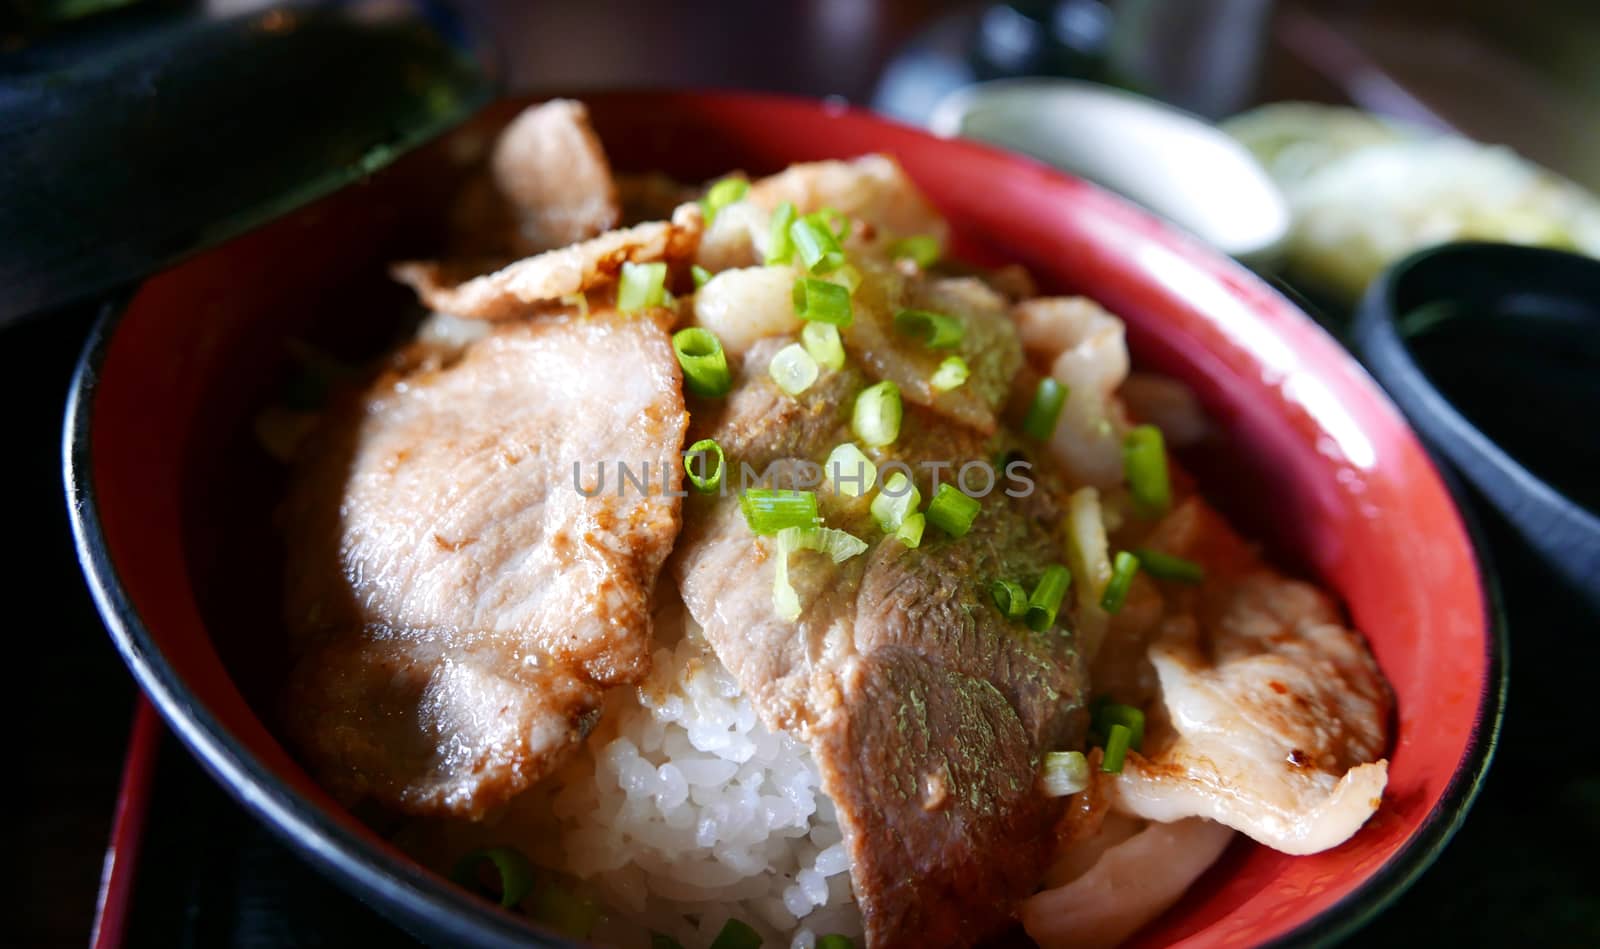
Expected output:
(429, 905)
(1544, 517)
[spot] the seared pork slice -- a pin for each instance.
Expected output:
(1276, 716)
(516, 290)
(989, 344)
(872, 190)
(927, 709)
(550, 166)
(1084, 348)
(446, 569)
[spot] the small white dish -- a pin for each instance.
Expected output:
(1179, 166)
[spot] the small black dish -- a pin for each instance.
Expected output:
(1493, 352)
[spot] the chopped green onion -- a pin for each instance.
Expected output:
(1123, 567)
(663, 941)
(911, 529)
(1116, 749)
(1045, 603)
(769, 510)
(736, 935)
(814, 241)
(822, 302)
(641, 285)
(722, 194)
(1064, 773)
(1167, 567)
(837, 544)
(950, 374)
(877, 414)
(785, 602)
(851, 472)
(1144, 464)
(835, 941)
(896, 500)
(1010, 598)
(935, 330)
(780, 249)
(580, 300)
(846, 276)
(793, 369)
(514, 871)
(822, 341)
(838, 224)
(922, 248)
(1107, 714)
(952, 511)
(701, 276)
(705, 449)
(1045, 409)
(565, 912)
(705, 365)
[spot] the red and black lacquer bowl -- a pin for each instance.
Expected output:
(172, 502)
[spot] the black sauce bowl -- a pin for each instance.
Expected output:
(1493, 352)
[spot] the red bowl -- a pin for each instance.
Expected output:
(171, 504)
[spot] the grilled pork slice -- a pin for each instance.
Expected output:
(550, 166)
(519, 289)
(928, 711)
(459, 604)
(1275, 714)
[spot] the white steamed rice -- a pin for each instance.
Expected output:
(683, 810)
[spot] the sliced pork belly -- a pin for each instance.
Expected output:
(518, 289)
(1275, 714)
(927, 710)
(550, 166)
(459, 603)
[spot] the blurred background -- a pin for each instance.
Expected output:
(1524, 76)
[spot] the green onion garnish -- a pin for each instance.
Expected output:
(1144, 464)
(822, 302)
(935, 330)
(701, 276)
(769, 510)
(838, 545)
(722, 194)
(663, 941)
(1167, 567)
(822, 341)
(922, 248)
(1116, 749)
(876, 419)
(838, 224)
(952, 511)
(705, 365)
(513, 869)
(897, 499)
(641, 285)
(736, 935)
(1108, 714)
(1010, 598)
(910, 531)
(780, 249)
(1123, 567)
(1045, 409)
(1045, 602)
(1064, 773)
(835, 941)
(709, 454)
(851, 472)
(814, 240)
(793, 369)
(846, 276)
(950, 374)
